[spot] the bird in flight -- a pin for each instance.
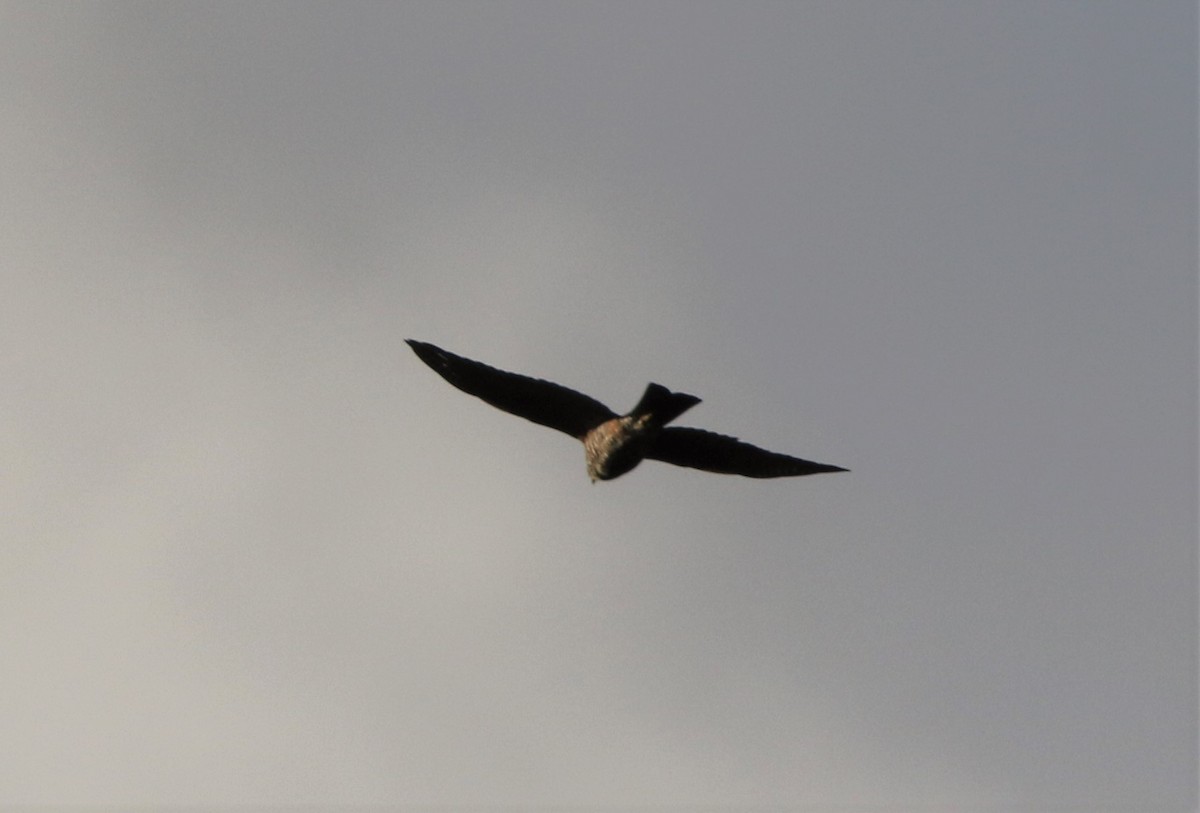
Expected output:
(614, 443)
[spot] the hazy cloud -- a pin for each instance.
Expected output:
(256, 552)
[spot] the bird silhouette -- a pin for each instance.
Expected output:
(614, 444)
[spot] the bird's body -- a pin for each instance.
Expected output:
(614, 444)
(618, 444)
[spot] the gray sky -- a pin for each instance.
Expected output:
(255, 552)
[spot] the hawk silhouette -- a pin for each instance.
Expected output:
(614, 443)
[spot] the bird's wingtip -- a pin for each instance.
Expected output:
(431, 354)
(422, 348)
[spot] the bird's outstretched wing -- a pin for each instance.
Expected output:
(531, 398)
(698, 449)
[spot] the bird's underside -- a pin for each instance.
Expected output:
(614, 443)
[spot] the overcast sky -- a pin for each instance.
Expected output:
(255, 552)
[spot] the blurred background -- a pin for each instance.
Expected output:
(254, 552)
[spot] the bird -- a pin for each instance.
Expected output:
(615, 444)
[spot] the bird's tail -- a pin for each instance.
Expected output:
(663, 404)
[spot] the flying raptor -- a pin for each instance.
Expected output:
(614, 443)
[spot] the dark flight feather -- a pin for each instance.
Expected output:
(533, 399)
(709, 451)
